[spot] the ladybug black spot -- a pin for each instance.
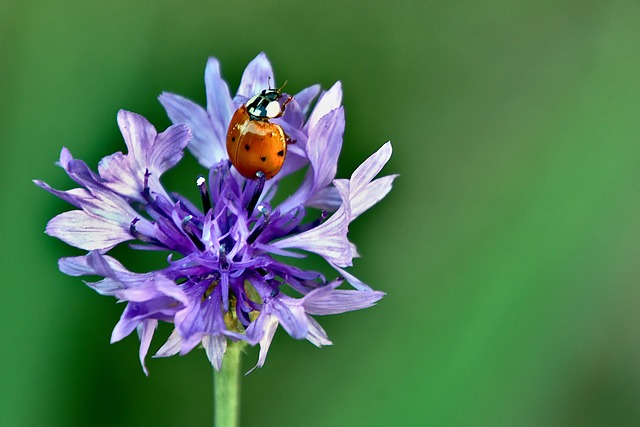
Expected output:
(247, 147)
(264, 159)
(233, 138)
(281, 153)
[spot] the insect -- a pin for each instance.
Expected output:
(254, 144)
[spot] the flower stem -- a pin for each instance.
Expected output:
(226, 388)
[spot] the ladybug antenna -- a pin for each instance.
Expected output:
(269, 82)
(283, 85)
(288, 100)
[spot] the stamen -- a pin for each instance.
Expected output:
(222, 258)
(185, 227)
(152, 204)
(204, 194)
(256, 193)
(313, 224)
(260, 228)
(134, 230)
(146, 193)
(132, 227)
(142, 237)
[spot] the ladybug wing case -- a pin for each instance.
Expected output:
(255, 146)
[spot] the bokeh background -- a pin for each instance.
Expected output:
(508, 248)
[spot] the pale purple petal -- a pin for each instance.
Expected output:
(148, 152)
(363, 192)
(372, 194)
(189, 321)
(120, 176)
(84, 231)
(207, 146)
(137, 133)
(328, 300)
(317, 336)
(96, 198)
(291, 316)
(329, 239)
(323, 149)
(256, 77)
(79, 171)
(82, 266)
(272, 248)
(327, 198)
(306, 96)
(329, 101)
(270, 324)
(167, 149)
(107, 286)
(190, 342)
(353, 280)
(78, 266)
(172, 346)
(293, 117)
(126, 285)
(74, 196)
(354, 250)
(200, 318)
(124, 327)
(215, 347)
(157, 298)
(368, 170)
(150, 286)
(145, 334)
(220, 106)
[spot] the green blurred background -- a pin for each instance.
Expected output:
(508, 248)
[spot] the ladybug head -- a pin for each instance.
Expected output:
(271, 94)
(266, 105)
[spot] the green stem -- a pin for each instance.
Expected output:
(226, 388)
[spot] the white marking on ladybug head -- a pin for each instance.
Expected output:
(251, 100)
(273, 109)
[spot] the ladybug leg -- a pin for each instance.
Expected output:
(284, 104)
(288, 139)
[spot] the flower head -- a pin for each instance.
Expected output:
(224, 284)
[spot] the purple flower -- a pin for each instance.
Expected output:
(222, 281)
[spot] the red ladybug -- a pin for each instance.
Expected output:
(253, 143)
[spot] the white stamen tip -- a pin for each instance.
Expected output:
(200, 181)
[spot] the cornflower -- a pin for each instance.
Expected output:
(222, 282)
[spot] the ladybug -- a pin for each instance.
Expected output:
(253, 143)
